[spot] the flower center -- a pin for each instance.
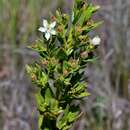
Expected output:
(48, 28)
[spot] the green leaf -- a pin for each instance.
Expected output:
(84, 94)
(69, 51)
(79, 87)
(67, 81)
(40, 102)
(67, 127)
(67, 118)
(70, 38)
(40, 120)
(43, 79)
(72, 116)
(61, 55)
(59, 16)
(87, 13)
(54, 108)
(87, 29)
(66, 65)
(38, 46)
(48, 96)
(90, 60)
(46, 129)
(52, 87)
(76, 16)
(62, 119)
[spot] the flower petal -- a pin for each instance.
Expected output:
(53, 24)
(53, 32)
(42, 29)
(96, 40)
(47, 35)
(45, 23)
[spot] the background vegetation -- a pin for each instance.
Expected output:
(108, 107)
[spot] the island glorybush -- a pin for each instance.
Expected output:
(64, 52)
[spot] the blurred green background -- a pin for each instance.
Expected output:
(108, 107)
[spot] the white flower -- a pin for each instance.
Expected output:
(96, 40)
(48, 29)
